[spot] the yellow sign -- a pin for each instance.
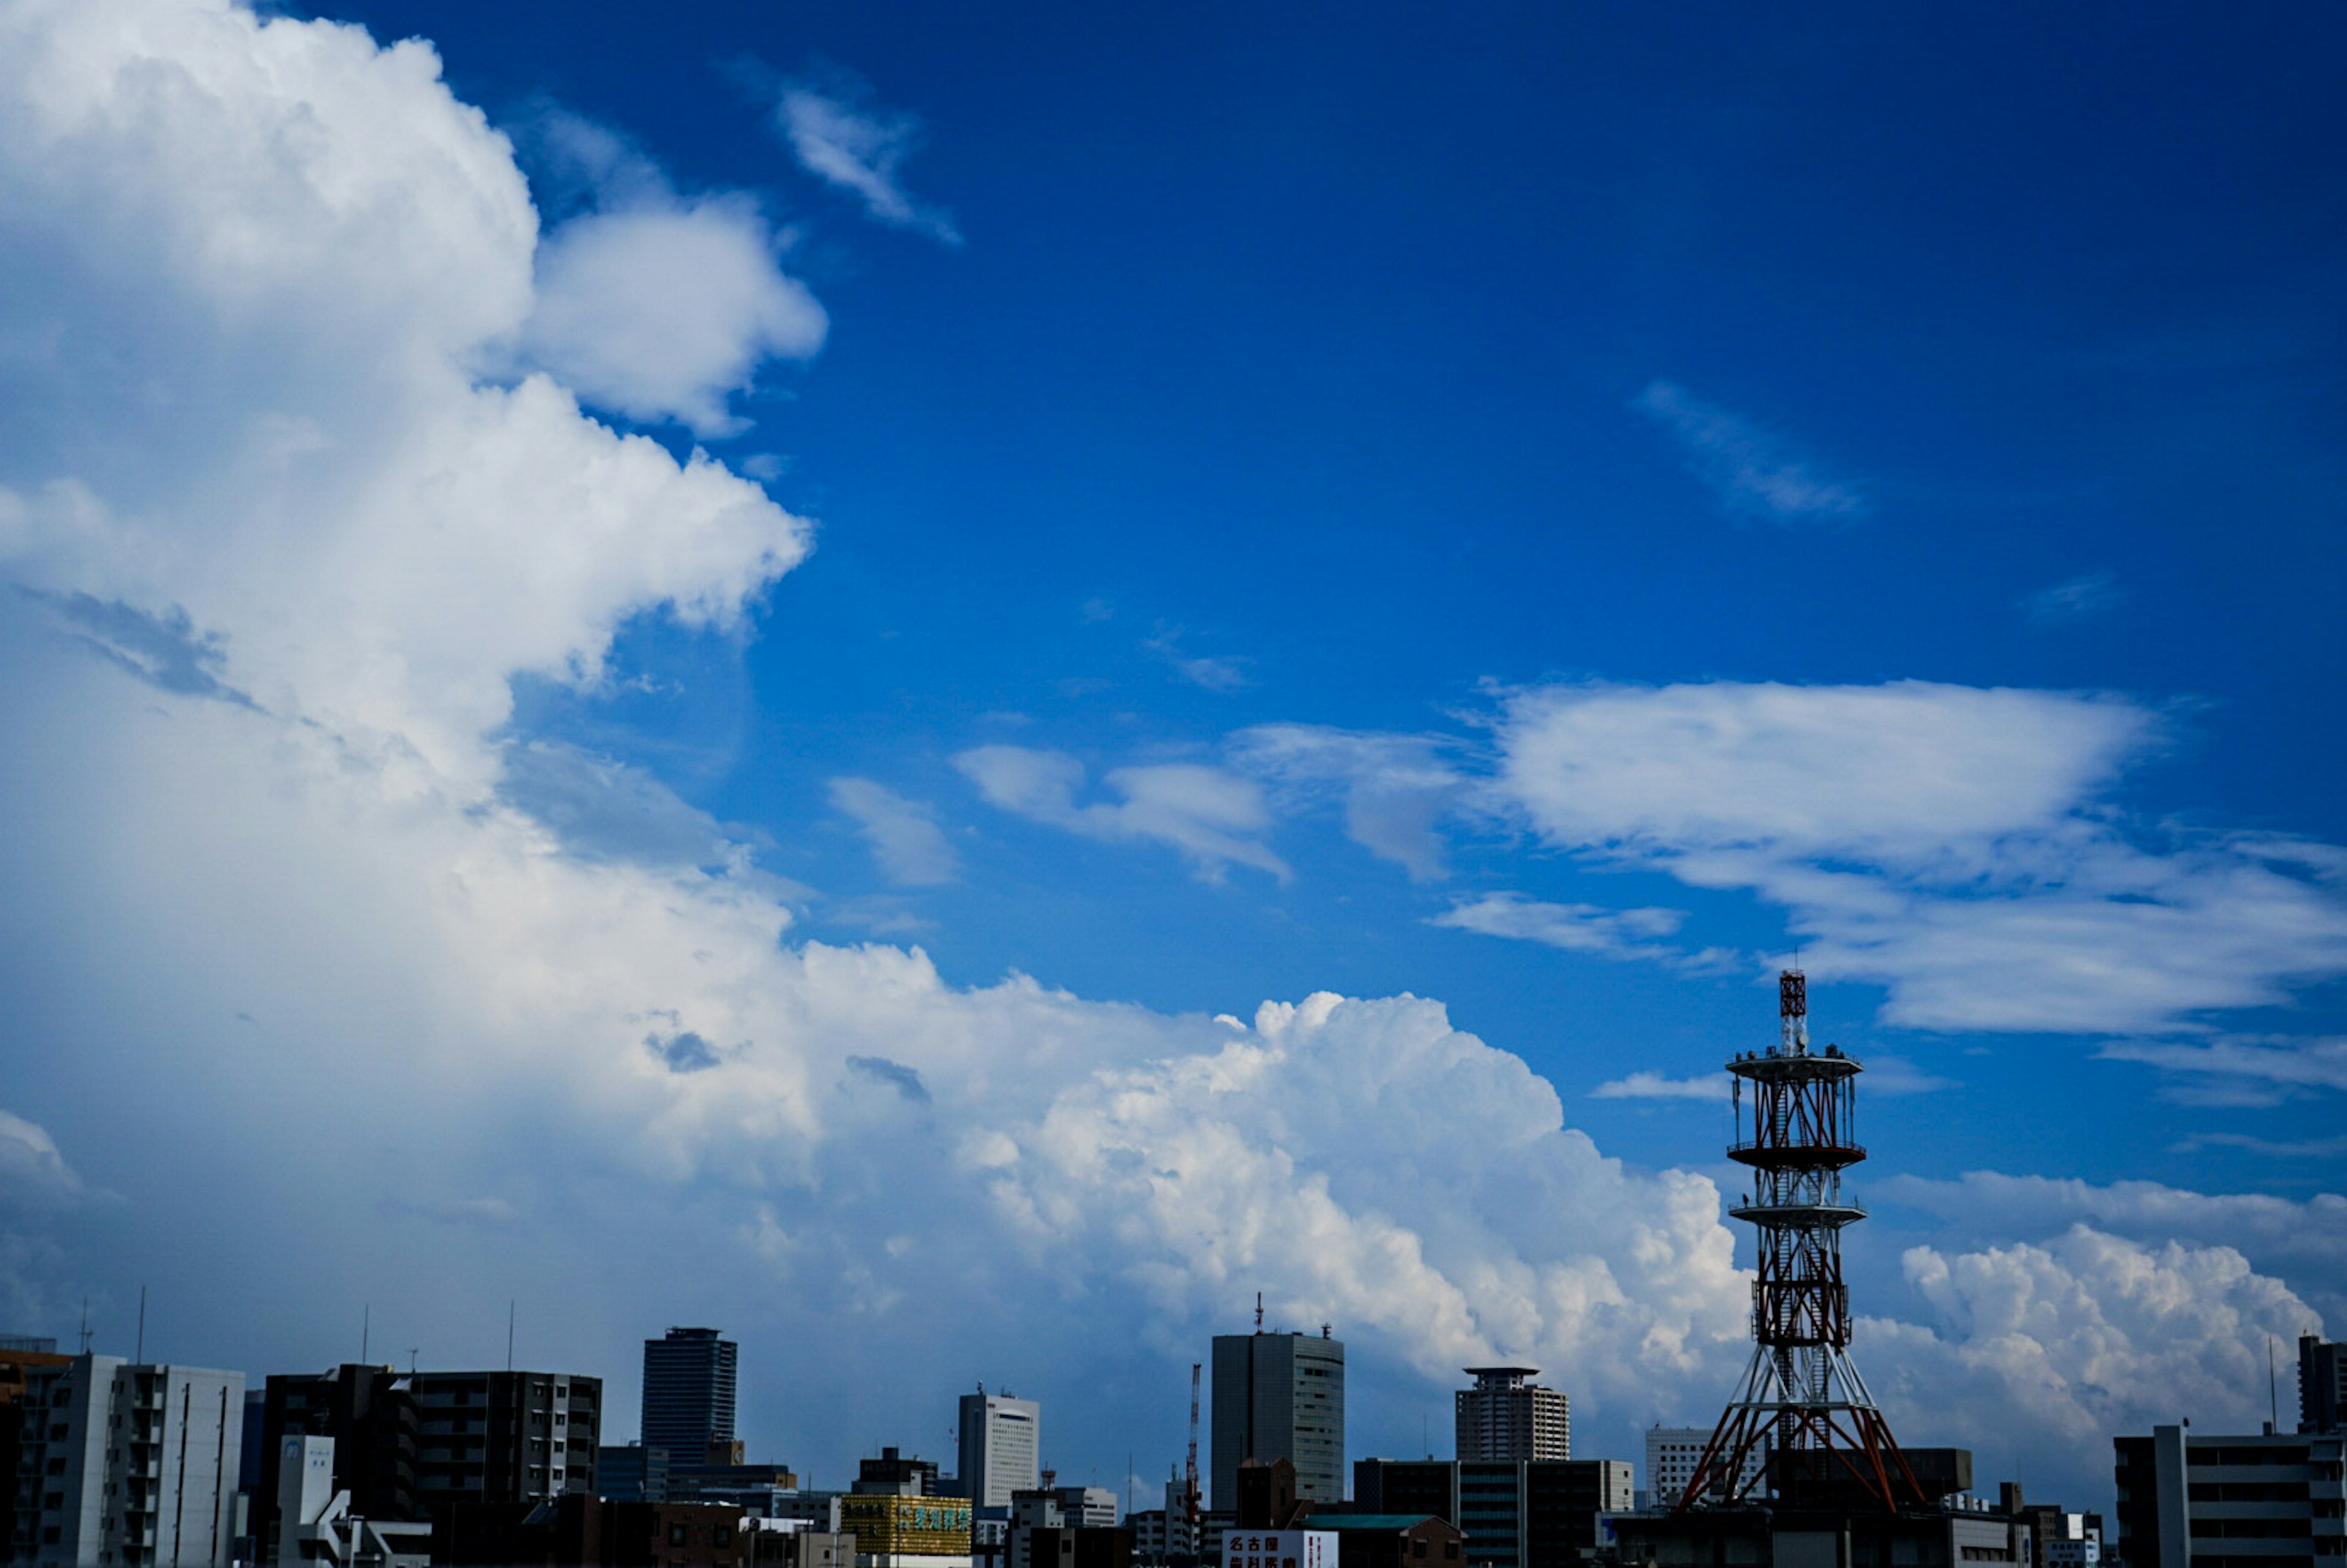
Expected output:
(912, 1526)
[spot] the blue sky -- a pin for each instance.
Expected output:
(1549, 511)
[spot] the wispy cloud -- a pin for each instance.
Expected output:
(1395, 787)
(903, 833)
(837, 138)
(1214, 816)
(2081, 598)
(2249, 1069)
(1654, 1086)
(1581, 929)
(1223, 672)
(1753, 472)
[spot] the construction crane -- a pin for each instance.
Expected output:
(1190, 1468)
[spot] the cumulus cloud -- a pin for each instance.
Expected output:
(1395, 788)
(657, 305)
(837, 138)
(1948, 842)
(1754, 473)
(1211, 815)
(30, 1165)
(1656, 1086)
(2041, 1351)
(2080, 598)
(903, 833)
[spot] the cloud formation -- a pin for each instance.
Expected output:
(657, 305)
(906, 840)
(2080, 598)
(1212, 816)
(1754, 474)
(1395, 788)
(1575, 927)
(861, 150)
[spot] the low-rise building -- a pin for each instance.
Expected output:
(896, 1530)
(313, 1521)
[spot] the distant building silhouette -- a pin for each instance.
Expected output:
(688, 1377)
(1507, 1416)
(2321, 1385)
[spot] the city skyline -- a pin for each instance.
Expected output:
(954, 691)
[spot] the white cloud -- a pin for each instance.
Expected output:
(654, 305)
(1642, 1085)
(1211, 815)
(1754, 473)
(859, 150)
(2263, 1070)
(1577, 927)
(903, 833)
(2039, 1352)
(1217, 672)
(30, 1164)
(1396, 788)
(1948, 842)
(2080, 598)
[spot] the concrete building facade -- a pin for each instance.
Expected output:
(504, 1437)
(127, 1463)
(1506, 1416)
(1544, 1513)
(2272, 1500)
(1671, 1456)
(1001, 1447)
(689, 1389)
(1279, 1395)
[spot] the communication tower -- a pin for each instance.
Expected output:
(1801, 1407)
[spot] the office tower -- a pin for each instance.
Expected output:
(2321, 1385)
(1671, 1456)
(1280, 1396)
(504, 1437)
(1001, 1447)
(134, 1464)
(2185, 1497)
(1506, 1416)
(687, 1393)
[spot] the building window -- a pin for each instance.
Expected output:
(676, 1536)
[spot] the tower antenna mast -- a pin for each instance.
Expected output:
(1801, 1416)
(1190, 1466)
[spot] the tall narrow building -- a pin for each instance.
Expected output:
(689, 1393)
(1279, 1395)
(1507, 1416)
(1001, 1448)
(124, 1463)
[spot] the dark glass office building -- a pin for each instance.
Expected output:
(687, 1393)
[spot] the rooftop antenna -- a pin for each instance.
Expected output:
(1258, 1311)
(140, 1359)
(412, 1352)
(84, 1325)
(366, 1326)
(2273, 1390)
(509, 1327)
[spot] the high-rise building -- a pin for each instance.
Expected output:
(130, 1464)
(1001, 1447)
(370, 1416)
(688, 1392)
(2321, 1385)
(1506, 1416)
(504, 1437)
(1280, 1396)
(2186, 1499)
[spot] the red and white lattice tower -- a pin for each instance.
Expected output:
(1801, 1414)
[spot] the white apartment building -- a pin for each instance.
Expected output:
(128, 1463)
(1672, 1454)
